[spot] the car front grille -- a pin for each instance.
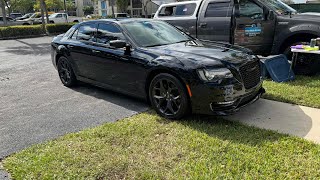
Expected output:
(251, 74)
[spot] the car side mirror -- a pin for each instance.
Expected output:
(118, 43)
(121, 44)
(271, 15)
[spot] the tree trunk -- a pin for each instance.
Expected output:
(43, 6)
(3, 8)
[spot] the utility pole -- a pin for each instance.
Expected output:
(4, 15)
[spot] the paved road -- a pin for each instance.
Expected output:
(35, 107)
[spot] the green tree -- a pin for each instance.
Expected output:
(122, 5)
(88, 10)
(70, 6)
(22, 6)
(52, 5)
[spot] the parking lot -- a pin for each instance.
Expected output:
(35, 106)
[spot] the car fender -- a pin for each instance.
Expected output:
(62, 50)
(170, 65)
(286, 33)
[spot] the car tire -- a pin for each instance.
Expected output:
(168, 96)
(66, 73)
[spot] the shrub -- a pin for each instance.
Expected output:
(58, 28)
(33, 30)
(20, 31)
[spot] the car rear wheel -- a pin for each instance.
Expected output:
(168, 96)
(66, 72)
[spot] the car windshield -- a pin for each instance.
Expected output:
(279, 7)
(154, 33)
(36, 15)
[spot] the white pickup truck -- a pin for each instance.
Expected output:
(63, 18)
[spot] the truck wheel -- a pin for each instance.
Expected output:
(287, 51)
(51, 22)
(307, 64)
(75, 21)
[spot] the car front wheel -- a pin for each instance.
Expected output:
(168, 96)
(66, 72)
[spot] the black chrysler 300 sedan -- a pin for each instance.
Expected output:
(153, 60)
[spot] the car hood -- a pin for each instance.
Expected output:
(307, 16)
(200, 53)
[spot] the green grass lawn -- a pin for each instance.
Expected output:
(302, 91)
(146, 146)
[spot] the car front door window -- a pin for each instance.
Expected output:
(251, 10)
(107, 33)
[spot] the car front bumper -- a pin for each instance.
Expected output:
(223, 100)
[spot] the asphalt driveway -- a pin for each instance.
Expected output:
(35, 106)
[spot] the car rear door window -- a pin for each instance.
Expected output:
(178, 10)
(185, 9)
(108, 32)
(219, 9)
(87, 33)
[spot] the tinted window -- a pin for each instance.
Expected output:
(251, 10)
(108, 32)
(179, 10)
(154, 33)
(59, 16)
(168, 11)
(222, 9)
(87, 32)
(185, 10)
(75, 34)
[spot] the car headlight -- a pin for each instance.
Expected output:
(214, 75)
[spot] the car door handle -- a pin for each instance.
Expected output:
(96, 51)
(70, 46)
(203, 25)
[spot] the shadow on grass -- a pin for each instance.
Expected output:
(225, 130)
(278, 98)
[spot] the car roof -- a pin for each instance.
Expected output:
(180, 3)
(119, 20)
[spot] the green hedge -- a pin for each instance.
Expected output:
(58, 28)
(33, 30)
(20, 31)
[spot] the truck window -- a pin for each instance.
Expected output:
(251, 10)
(59, 16)
(178, 10)
(185, 9)
(222, 9)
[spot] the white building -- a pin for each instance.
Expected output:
(135, 8)
(80, 4)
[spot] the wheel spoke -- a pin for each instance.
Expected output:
(169, 107)
(158, 97)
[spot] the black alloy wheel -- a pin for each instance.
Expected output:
(168, 96)
(65, 72)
